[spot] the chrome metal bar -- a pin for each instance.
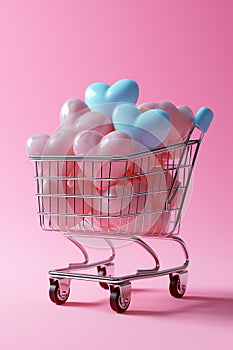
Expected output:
(129, 157)
(183, 245)
(175, 177)
(127, 278)
(189, 177)
(84, 264)
(83, 250)
(114, 280)
(185, 146)
(151, 252)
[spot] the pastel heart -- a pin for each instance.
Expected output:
(125, 90)
(122, 203)
(70, 108)
(116, 143)
(128, 204)
(79, 190)
(106, 108)
(162, 225)
(94, 121)
(60, 143)
(186, 115)
(91, 143)
(55, 202)
(86, 142)
(181, 119)
(64, 201)
(36, 144)
(157, 194)
(149, 128)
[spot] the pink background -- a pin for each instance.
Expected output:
(177, 50)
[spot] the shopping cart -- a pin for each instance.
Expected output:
(74, 198)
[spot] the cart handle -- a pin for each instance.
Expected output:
(203, 118)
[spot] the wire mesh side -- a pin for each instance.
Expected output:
(141, 195)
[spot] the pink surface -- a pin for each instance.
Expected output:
(176, 50)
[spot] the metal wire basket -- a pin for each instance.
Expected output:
(148, 201)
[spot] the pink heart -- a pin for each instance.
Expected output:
(57, 201)
(36, 144)
(93, 121)
(80, 191)
(122, 203)
(181, 120)
(145, 208)
(60, 143)
(86, 142)
(90, 143)
(71, 109)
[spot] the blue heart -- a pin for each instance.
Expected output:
(125, 90)
(149, 128)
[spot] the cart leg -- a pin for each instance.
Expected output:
(59, 290)
(151, 252)
(105, 271)
(82, 249)
(86, 257)
(178, 284)
(183, 245)
(120, 297)
(179, 279)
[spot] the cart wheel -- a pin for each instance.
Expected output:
(102, 272)
(116, 302)
(175, 289)
(55, 296)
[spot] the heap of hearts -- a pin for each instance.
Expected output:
(112, 193)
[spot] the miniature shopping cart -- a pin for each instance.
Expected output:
(74, 198)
